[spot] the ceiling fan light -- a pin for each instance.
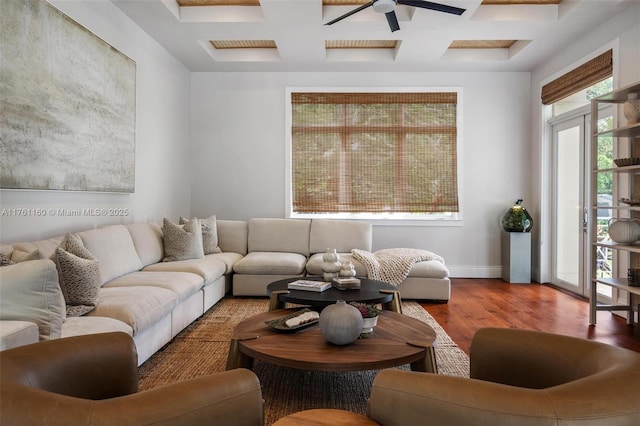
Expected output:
(384, 6)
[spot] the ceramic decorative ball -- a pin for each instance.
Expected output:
(340, 323)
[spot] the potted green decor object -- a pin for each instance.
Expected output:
(369, 314)
(517, 218)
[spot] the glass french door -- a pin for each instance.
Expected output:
(570, 184)
(570, 214)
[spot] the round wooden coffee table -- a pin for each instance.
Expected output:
(397, 340)
(325, 416)
(371, 291)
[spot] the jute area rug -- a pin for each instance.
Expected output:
(202, 349)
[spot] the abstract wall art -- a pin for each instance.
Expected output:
(67, 104)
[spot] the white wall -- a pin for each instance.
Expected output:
(622, 34)
(238, 142)
(162, 138)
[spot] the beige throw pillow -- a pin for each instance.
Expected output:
(79, 275)
(182, 242)
(209, 234)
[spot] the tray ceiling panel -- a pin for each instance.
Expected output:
(292, 35)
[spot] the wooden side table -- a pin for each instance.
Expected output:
(329, 417)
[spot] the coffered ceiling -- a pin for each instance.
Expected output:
(291, 35)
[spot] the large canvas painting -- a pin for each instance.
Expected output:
(67, 104)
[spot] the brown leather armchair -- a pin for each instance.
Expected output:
(93, 380)
(518, 377)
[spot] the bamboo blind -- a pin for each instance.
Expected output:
(587, 74)
(374, 152)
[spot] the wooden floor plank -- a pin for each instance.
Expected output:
(477, 303)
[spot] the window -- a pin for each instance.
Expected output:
(374, 154)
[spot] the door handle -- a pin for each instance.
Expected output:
(585, 219)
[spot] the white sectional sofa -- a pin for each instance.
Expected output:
(153, 300)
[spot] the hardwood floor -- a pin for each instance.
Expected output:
(477, 303)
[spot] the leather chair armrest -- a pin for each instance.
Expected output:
(407, 398)
(231, 397)
(95, 366)
(532, 359)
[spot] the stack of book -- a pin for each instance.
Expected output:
(346, 283)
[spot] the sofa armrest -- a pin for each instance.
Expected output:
(406, 398)
(93, 366)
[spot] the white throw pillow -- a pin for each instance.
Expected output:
(29, 291)
(182, 242)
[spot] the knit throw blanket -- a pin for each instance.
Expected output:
(392, 265)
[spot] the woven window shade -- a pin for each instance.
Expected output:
(374, 152)
(587, 74)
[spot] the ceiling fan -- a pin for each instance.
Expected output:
(388, 8)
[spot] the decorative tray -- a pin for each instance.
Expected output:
(630, 202)
(280, 323)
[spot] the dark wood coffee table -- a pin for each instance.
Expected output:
(397, 340)
(371, 291)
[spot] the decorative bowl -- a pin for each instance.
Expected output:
(628, 161)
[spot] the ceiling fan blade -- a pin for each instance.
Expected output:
(346, 15)
(433, 6)
(392, 19)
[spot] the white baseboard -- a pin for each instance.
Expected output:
(462, 271)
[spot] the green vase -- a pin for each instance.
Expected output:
(517, 219)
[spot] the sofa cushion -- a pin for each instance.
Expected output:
(209, 268)
(232, 236)
(228, 258)
(139, 307)
(270, 263)
(22, 256)
(29, 291)
(182, 242)
(114, 249)
(147, 239)
(184, 284)
(17, 333)
(342, 235)
(79, 326)
(429, 269)
(279, 235)
(79, 278)
(209, 233)
(45, 247)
